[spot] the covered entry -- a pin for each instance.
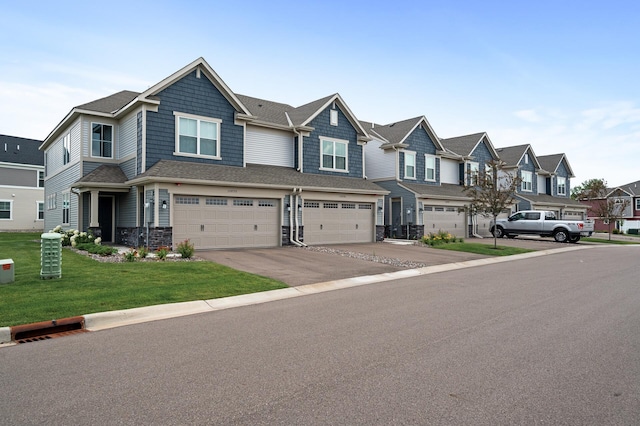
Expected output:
(220, 222)
(331, 222)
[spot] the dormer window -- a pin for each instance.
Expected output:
(334, 117)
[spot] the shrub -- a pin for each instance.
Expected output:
(130, 256)
(440, 237)
(186, 249)
(143, 252)
(97, 249)
(162, 252)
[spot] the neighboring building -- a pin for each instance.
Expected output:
(629, 193)
(21, 184)
(190, 159)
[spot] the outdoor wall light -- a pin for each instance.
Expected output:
(288, 207)
(164, 204)
(379, 208)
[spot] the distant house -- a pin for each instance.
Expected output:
(190, 159)
(630, 193)
(21, 184)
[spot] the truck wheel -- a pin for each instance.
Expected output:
(561, 236)
(498, 232)
(574, 239)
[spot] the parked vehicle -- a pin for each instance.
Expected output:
(543, 223)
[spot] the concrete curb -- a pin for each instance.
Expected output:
(113, 319)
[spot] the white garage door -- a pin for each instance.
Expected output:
(439, 218)
(218, 222)
(572, 215)
(484, 224)
(332, 222)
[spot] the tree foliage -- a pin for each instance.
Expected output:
(491, 192)
(589, 189)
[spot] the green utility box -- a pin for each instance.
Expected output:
(51, 255)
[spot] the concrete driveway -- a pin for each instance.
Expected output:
(299, 266)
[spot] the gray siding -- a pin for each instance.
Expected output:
(345, 131)
(197, 96)
(408, 202)
(129, 168)
(139, 143)
(126, 208)
(163, 214)
(127, 132)
(56, 185)
(89, 166)
(18, 177)
(561, 172)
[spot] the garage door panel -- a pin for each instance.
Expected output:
(446, 219)
(328, 222)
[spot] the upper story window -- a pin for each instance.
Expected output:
(101, 140)
(527, 181)
(65, 208)
(474, 169)
(333, 117)
(39, 210)
(66, 149)
(334, 154)
(409, 165)
(40, 178)
(429, 168)
(197, 136)
(526, 158)
(562, 186)
(5, 209)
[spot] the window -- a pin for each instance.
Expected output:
(334, 154)
(5, 209)
(51, 201)
(66, 149)
(40, 179)
(430, 168)
(532, 216)
(410, 165)
(245, 203)
(526, 158)
(474, 169)
(197, 136)
(334, 117)
(527, 181)
(40, 210)
(216, 202)
(65, 207)
(637, 203)
(187, 200)
(101, 140)
(562, 186)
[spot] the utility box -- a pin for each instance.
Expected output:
(50, 255)
(7, 273)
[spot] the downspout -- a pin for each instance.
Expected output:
(299, 135)
(296, 220)
(474, 226)
(292, 211)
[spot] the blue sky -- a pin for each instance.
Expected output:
(559, 75)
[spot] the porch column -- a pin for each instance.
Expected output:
(156, 205)
(93, 220)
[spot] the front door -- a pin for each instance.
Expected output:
(396, 218)
(105, 217)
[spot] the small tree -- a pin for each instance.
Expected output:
(490, 193)
(607, 205)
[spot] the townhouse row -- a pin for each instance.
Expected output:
(190, 159)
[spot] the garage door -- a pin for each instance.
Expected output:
(484, 224)
(439, 218)
(337, 222)
(218, 222)
(572, 215)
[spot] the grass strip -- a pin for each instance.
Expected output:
(485, 249)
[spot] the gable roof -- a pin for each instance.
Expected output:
(551, 163)
(445, 190)
(632, 188)
(110, 104)
(106, 175)
(394, 134)
(18, 150)
(267, 111)
(254, 176)
(512, 155)
(465, 145)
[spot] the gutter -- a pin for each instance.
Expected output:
(293, 212)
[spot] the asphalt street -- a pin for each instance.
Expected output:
(546, 340)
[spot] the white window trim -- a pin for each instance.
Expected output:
(474, 169)
(333, 117)
(200, 118)
(66, 196)
(346, 160)
(530, 181)
(38, 209)
(66, 148)
(113, 139)
(415, 163)
(564, 185)
(637, 203)
(10, 209)
(38, 178)
(434, 167)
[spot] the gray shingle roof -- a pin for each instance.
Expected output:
(632, 188)
(395, 132)
(550, 162)
(511, 155)
(111, 103)
(433, 191)
(302, 113)
(272, 112)
(550, 200)
(106, 173)
(27, 153)
(257, 175)
(462, 145)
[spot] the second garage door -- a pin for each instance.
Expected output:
(439, 218)
(328, 222)
(218, 222)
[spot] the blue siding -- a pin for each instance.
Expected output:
(139, 144)
(126, 208)
(420, 142)
(534, 184)
(197, 96)
(408, 202)
(345, 131)
(562, 172)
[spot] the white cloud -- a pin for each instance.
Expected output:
(529, 115)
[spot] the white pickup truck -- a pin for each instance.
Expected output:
(543, 223)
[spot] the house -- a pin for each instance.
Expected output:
(21, 184)
(190, 159)
(627, 195)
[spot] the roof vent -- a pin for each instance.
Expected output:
(260, 105)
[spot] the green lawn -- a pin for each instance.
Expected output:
(606, 240)
(88, 286)
(480, 248)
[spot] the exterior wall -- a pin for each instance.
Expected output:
(269, 146)
(534, 183)
(196, 96)
(420, 143)
(379, 163)
(56, 185)
(54, 153)
(449, 171)
(129, 168)
(127, 137)
(408, 203)
(24, 208)
(542, 185)
(345, 131)
(139, 168)
(126, 208)
(87, 122)
(561, 172)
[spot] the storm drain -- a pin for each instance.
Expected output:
(47, 330)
